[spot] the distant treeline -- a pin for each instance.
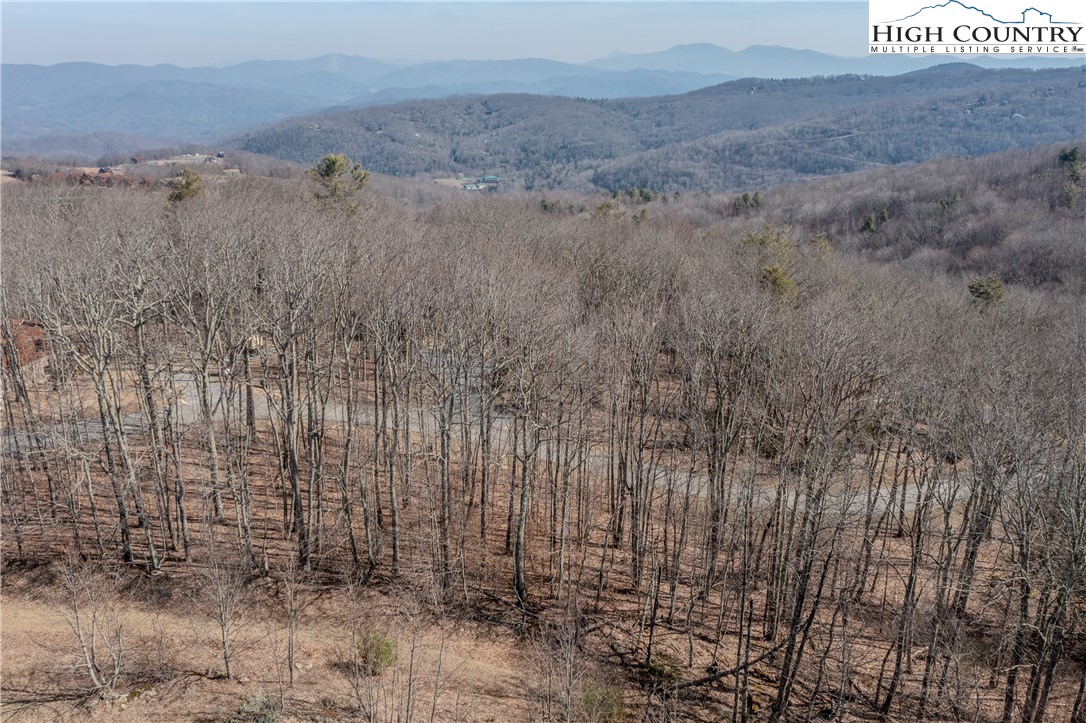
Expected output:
(740, 135)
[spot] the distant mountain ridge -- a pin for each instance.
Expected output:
(170, 104)
(743, 134)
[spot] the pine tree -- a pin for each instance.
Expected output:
(338, 179)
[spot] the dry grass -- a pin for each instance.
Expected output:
(173, 672)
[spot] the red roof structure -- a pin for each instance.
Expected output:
(24, 345)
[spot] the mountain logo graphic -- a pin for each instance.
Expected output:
(1028, 16)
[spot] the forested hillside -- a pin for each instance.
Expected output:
(69, 106)
(82, 109)
(740, 135)
(311, 449)
(1017, 214)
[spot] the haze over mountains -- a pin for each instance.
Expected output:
(91, 109)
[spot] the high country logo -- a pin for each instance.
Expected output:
(953, 26)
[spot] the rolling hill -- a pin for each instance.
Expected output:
(743, 134)
(173, 104)
(66, 108)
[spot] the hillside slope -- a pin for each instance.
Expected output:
(742, 134)
(1017, 214)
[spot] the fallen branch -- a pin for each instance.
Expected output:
(731, 671)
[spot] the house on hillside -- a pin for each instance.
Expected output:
(25, 349)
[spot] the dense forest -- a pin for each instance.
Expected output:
(817, 452)
(741, 135)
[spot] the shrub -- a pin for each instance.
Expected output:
(604, 210)
(748, 200)
(776, 251)
(780, 283)
(258, 709)
(376, 652)
(821, 244)
(601, 704)
(988, 289)
(664, 669)
(1071, 159)
(773, 243)
(1071, 193)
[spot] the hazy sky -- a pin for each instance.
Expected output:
(198, 33)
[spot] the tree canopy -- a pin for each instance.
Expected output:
(338, 179)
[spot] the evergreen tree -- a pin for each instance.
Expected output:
(338, 180)
(187, 185)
